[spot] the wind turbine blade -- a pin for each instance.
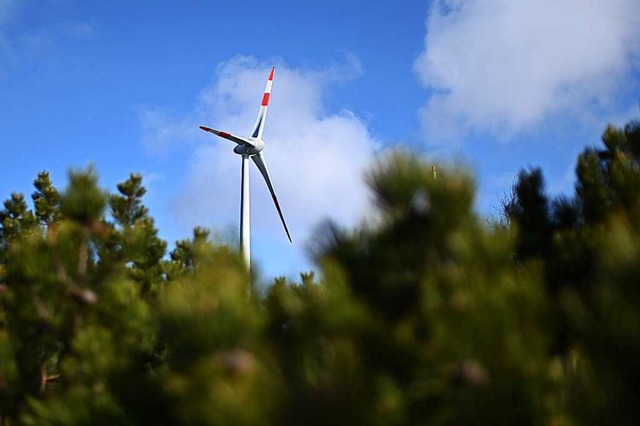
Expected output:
(262, 166)
(258, 127)
(237, 139)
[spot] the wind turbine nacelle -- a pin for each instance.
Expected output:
(246, 149)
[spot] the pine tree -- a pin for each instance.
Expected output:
(530, 210)
(446, 328)
(591, 266)
(15, 218)
(71, 331)
(134, 238)
(46, 200)
(184, 254)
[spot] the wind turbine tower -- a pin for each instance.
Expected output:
(252, 147)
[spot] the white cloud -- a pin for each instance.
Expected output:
(502, 65)
(316, 159)
(160, 129)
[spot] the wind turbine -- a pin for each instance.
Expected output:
(252, 147)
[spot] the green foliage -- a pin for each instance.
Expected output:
(530, 210)
(184, 257)
(83, 201)
(46, 200)
(216, 372)
(453, 332)
(127, 207)
(422, 316)
(15, 220)
(592, 271)
(71, 325)
(133, 237)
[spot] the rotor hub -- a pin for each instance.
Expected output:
(246, 149)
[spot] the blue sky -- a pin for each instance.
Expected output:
(497, 85)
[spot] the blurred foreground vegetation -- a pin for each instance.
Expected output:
(425, 316)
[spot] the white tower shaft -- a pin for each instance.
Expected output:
(245, 214)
